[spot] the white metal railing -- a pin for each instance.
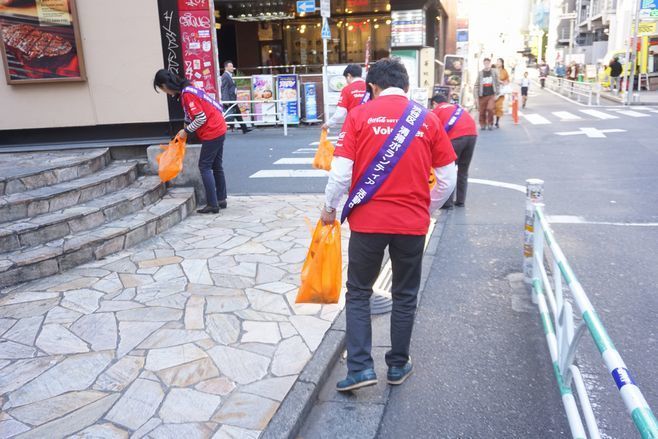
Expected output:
(280, 113)
(589, 92)
(563, 335)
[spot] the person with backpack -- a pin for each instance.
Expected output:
(463, 134)
(383, 155)
(203, 116)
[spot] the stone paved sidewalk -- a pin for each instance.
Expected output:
(193, 334)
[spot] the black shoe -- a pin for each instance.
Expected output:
(447, 207)
(208, 209)
(459, 204)
(223, 204)
(247, 130)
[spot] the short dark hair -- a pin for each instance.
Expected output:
(486, 59)
(388, 72)
(170, 80)
(354, 70)
(228, 61)
(439, 99)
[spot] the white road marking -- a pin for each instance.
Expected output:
(591, 132)
(632, 113)
(565, 115)
(599, 114)
(290, 173)
(536, 119)
(305, 151)
(330, 138)
(572, 219)
(515, 187)
(295, 161)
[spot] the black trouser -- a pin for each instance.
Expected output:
(464, 147)
(232, 112)
(366, 252)
(212, 171)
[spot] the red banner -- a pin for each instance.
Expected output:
(196, 33)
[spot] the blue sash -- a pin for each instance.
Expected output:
(389, 155)
(201, 95)
(454, 118)
(366, 97)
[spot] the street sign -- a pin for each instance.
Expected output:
(647, 28)
(649, 9)
(305, 6)
(326, 32)
(325, 8)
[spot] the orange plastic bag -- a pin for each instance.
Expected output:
(170, 162)
(323, 269)
(325, 153)
(432, 179)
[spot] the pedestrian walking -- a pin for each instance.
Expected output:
(543, 73)
(384, 153)
(203, 116)
(351, 96)
(615, 74)
(487, 87)
(461, 129)
(503, 77)
(229, 93)
(525, 86)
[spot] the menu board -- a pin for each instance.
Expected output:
(40, 41)
(288, 89)
(197, 30)
(408, 28)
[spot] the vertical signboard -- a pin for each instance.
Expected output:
(408, 28)
(311, 101)
(40, 41)
(171, 48)
(288, 90)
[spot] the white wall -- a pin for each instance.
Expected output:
(122, 52)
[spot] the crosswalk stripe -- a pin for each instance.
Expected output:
(305, 151)
(565, 115)
(330, 138)
(632, 113)
(295, 161)
(290, 173)
(599, 114)
(536, 119)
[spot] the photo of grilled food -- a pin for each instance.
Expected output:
(33, 46)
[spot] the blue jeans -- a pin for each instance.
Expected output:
(212, 172)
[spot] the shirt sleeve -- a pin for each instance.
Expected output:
(344, 99)
(340, 178)
(442, 151)
(192, 106)
(346, 143)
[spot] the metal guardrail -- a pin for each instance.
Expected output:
(589, 92)
(563, 335)
(280, 115)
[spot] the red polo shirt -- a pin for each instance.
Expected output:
(352, 94)
(215, 125)
(465, 126)
(401, 205)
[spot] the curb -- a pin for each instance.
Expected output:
(296, 406)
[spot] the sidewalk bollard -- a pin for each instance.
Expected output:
(534, 194)
(515, 107)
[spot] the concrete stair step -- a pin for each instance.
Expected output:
(35, 202)
(50, 169)
(72, 250)
(25, 233)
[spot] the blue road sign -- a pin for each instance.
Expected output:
(326, 32)
(305, 6)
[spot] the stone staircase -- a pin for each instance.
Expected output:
(62, 211)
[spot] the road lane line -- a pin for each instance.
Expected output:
(599, 114)
(536, 119)
(565, 115)
(632, 113)
(290, 173)
(295, 161)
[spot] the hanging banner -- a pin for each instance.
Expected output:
(40, 41)
(288, 89)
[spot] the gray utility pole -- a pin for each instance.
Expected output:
(634, 55)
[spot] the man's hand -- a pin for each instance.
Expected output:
(182, 134)
(325, 127)
(328, 218)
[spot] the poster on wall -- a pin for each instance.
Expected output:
(288, 89)
(262, 88)
(40, 41)
(310, 102)
(197, 33)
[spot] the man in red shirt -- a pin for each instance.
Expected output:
(397, 216)
(351, 96)
(203, 116)
(463, 134)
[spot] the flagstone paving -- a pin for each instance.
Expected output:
(192, 334)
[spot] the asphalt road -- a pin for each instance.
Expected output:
(482, 365)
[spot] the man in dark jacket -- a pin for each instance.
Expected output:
(229, 93)
(615, 74)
